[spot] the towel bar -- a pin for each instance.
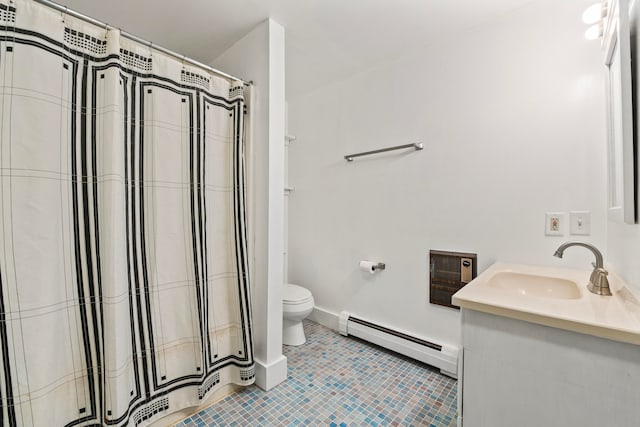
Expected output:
(416, 146)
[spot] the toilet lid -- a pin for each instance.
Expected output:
(295, 293)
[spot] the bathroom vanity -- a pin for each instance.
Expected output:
(540, 350)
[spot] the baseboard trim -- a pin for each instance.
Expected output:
(272, 374)
(325, 318)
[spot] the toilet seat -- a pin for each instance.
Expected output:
(294, 294)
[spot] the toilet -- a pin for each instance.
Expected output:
(297, 304)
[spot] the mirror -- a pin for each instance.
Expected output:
(622, 188)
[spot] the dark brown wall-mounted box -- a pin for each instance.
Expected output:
(448, 273)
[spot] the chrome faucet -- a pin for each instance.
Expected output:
(598, 282)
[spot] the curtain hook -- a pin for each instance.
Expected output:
(64, 14)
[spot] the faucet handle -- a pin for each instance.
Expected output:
(594, 264)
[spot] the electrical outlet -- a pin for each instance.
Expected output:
(580, 223)
(554, 224)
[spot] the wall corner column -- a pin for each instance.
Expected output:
(259, 56)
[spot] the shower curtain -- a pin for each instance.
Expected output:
(123, 263)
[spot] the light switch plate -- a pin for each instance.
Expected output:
(580, 223)
(554, 223)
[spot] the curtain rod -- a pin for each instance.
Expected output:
(135, 38)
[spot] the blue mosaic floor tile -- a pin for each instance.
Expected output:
(341, 381)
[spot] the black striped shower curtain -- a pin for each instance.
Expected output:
(123, 264)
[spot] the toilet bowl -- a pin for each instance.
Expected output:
(297, 304)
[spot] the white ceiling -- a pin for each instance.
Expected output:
(325, 39)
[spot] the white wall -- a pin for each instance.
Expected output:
(260, 56)
(512, 120)
(623, 240)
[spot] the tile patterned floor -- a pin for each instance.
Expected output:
(339, 381)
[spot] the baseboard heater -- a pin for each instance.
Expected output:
(441, 356)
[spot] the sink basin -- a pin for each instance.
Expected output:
(534, 285)
(554, 297)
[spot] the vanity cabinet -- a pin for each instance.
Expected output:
(517, 373)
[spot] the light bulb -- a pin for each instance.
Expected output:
(593, 32)
(592, 14)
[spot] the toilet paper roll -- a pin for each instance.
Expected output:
(368, 266)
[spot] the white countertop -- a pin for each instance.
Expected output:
(615, 317)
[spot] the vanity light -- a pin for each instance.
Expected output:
(595, 16)
(592, 14)
(593, 32)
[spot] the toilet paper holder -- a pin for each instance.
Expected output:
(379, 266)
(371, 266)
